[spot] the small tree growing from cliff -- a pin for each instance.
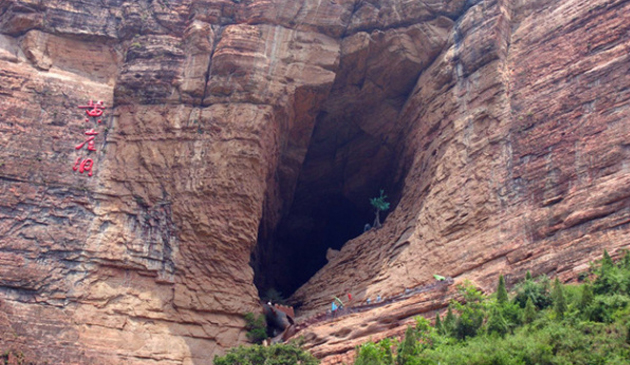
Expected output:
(380, 205)
(256, 327)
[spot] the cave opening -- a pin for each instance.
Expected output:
(345, 166)
(356, 148)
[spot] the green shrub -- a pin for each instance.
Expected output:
(448, 326)
(438, 324)
(559, 302)
(512, 313)
(603, 308)
(586, 298)
(379, 205)
(387, 357)
(538, 292)
(407, 349)
(279, 354)
(496, 323)
(529, 314)
(375, 354)
(256, 327)
(610, 280)
(471, 314)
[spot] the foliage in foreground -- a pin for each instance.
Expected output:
(256, 327)
(542, 323)
(279, 354)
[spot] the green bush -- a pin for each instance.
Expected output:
(408, 349)
(279, 354)
(376, 354)
(472, 314)
(502, 294)
(448, 326)
(586, 297)
(529, 314)
(256, 327)
(496, 323)
(379, 205)
(512, 313)
(538, 292)
(559, 301)
(603, 308)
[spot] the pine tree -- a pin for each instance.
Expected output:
(587, 296)
(387, 357)
(559, 302)
(497, 323)
(449, 322)
(438, 324)
(528, 276)
(529, 315)
(407, 348)
(502, 294)
(607, 262)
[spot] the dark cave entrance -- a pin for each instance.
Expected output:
(303, 238)
(344, 167)
(356, 148)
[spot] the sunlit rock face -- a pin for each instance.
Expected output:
(515, 158)
(243, 139)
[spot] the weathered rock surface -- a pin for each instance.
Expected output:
(516, 155)
(501, 128)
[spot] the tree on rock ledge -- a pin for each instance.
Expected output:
(380, 205)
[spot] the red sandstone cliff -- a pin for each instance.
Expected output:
(507, 123)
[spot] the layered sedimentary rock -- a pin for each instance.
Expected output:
(500, 127)
(517, 156)
(148, 260)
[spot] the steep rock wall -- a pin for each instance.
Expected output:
(515, 158)
(508, 122)
(147, 261)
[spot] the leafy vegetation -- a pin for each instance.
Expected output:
(539, 323)
(256, 327)
(380, 205)
(280, 354)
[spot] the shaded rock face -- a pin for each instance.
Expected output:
(258, 130)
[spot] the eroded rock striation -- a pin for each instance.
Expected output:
(500, 129)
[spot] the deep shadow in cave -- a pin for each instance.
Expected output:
(355, 150)
(306, 235)
(344, 167)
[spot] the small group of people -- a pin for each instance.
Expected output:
(338, 305)
(378, 300)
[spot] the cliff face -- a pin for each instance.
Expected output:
(500, 128)
(516, 153)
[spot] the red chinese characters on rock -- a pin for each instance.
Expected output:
(89, 141)
(83, 165)
(94, 111)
